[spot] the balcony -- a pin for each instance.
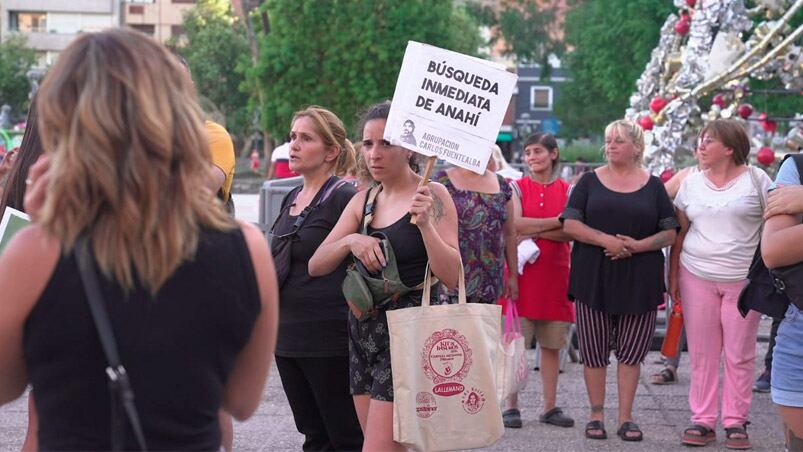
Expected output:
(72, 6)
(49, 41)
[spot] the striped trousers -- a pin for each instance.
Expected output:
(599, 332)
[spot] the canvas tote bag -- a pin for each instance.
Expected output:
(513, 369)
(444, 361)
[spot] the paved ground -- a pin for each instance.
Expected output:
(662, 411)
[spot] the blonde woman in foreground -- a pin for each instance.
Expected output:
(190, 293)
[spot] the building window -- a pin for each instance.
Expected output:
(541, 98)
(176, 31)
(27, 22)
(136, 9)
(148, 29)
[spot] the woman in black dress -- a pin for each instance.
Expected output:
(620, 218)
(312, 346)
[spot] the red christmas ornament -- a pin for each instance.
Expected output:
(745, 110)
(719, 100)
(763, 117)
(667, 174)
(691, 3)
(657, 104)
(683, 26)
(646, 122)
(765, 156)
(769, 125)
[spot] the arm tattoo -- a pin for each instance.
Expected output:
(661, 240)
(437, 211)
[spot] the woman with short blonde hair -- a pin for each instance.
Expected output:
(190, 293)
(620, 218)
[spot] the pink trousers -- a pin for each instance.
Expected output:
(713, 325)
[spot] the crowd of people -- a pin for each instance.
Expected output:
(119, 169)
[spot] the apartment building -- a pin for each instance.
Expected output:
(50, 25)
(158, 18)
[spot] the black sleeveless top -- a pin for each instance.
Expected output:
(408, 246)
(178, 348)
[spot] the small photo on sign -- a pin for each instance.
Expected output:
(13, 221)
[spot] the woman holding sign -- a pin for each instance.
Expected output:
(432, 239)
(620, 218)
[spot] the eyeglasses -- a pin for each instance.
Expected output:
(705, 141)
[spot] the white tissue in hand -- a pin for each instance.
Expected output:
(528, 252)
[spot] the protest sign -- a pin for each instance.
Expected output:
(13, 220)
(449, 105)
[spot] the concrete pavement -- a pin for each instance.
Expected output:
(661, 411)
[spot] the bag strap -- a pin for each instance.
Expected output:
(323, 194)
(430, 279)
(762, 196)
(368, 208)
(119, 385)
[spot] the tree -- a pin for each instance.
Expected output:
(216, 50)
(612, 41)
(344, 55)
(530, 32)
(15, 62)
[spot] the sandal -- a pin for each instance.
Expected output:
(555, 416)
(667, 376)
(630, 427)
(698, 435)
(736, 437)
(598, 427)
(512, 418)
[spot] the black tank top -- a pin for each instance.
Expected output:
(178, 348)
(408, 246)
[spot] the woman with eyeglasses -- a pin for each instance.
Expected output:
(312, 352)
(720, 216)
(620, 218)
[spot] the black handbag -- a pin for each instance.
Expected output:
(122, 395)
(770, 291)
(281, 244)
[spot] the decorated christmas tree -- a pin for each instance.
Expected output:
(709, 53)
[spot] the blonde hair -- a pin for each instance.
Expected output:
(333, 133)
(499, 158)
(631, 132)
(130, 158)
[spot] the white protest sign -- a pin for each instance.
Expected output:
(449, 105)
(13, 220)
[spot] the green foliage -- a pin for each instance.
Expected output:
(216, 50)
(346, 54)
(590, 152)
(15, 62)
(528, 30)
(612, 41)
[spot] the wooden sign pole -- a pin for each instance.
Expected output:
(427, 173)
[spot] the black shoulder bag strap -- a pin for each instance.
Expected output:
(122, 396)
(332, 184)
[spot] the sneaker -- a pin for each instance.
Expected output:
(511, 418)
(762, 384)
